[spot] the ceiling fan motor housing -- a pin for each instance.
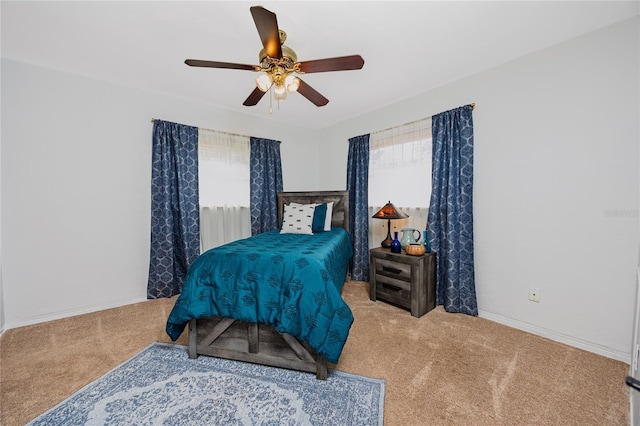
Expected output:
(289, 57)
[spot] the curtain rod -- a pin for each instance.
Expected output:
(211, 130)
(473, 105)
(403, 124)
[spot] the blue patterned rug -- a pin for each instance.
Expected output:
(161, 385)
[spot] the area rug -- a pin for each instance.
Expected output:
(161, 385)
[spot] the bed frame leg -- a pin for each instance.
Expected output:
(321, 368)
(193, 339)
(253, 338)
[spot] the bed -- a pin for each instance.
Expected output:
(274, 298)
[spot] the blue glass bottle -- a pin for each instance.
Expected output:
(425, 242)
(396, 247)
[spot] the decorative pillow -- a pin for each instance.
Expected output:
(297, 219)
(327, 223)
(328, 214)
(319, 218)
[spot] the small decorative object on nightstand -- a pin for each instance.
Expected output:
(425, 242)
(414, 249)
(403, 280)
(396, 247)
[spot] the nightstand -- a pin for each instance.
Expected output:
(403, 280)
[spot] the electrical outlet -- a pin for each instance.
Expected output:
(534, 294)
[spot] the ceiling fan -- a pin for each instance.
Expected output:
(279, 63)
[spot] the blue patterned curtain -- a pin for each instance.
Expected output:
(451, 210)
(175, 218)
(266, 182)
(358, 187)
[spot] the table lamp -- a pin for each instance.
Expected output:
(389, 211)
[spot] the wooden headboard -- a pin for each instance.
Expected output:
(340, 200)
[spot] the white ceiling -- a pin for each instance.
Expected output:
(408, 47)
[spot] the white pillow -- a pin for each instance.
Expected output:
(297, 219)
(327, 221)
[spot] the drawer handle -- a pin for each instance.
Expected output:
(391, 287)
(390, 269)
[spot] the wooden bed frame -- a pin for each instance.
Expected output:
(260, 343)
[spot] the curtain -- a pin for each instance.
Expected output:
(223, 180)
(451, 211)
(358, 188)
(222, 224)
(265, 183)
(175, 228)
(223, 168)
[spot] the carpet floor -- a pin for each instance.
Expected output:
(440, 369)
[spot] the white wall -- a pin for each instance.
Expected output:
(2, 317)
(556, 184)
(75, 173)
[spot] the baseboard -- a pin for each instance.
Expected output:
(72, 312)
(558, 337)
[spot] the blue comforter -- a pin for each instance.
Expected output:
(290, 281)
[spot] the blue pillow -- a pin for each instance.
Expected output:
(319, 217)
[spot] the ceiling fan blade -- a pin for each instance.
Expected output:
(254, 97)
(215, 64)
(312, 94)
(267, 26)
(342, 63)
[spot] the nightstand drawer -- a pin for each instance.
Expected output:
(394, 291)
(396, 270)
(389, 282)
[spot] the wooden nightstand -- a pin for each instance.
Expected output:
(403, 280)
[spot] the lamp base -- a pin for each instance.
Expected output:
(387, 241)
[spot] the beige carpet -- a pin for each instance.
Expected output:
(441, 369)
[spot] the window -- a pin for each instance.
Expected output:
(223, 179)
(400, 172)
(223, 168)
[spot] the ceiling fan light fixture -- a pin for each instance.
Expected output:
(264, 82)
(279, 92)
(292, 83)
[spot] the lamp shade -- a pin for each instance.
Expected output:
(264, 82)
(389, 211)
(279, 93)
(292, 83)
